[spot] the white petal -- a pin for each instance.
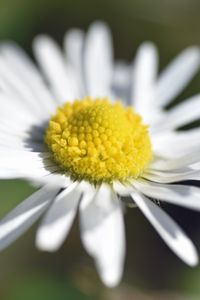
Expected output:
(9, 174)
(19, 123)
(25, 173)
(121, 189)
(176, 144)
(18, 89)
(55, 180)
(183, 195)
(33, 163)
(54, 67)
(11, 103)
(170, 232)
(144, 76)
(177, 75)
(20, 135)
(102, 228)
(24, 215)
(182, 114)
(98, 60)
(30, 160)
(175, 164)
(73, 43)
(12, 173)
(170, 177)
(57, 222)
(17, 127)
(21, 146)
(196, 166)
(191, 134)
(19, 62)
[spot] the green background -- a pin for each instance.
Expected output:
(151, 270)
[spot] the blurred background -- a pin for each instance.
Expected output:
(151, 270)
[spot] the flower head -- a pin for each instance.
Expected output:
(93, 132)
(98, 141)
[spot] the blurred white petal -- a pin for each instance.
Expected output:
(167, 164)
(170, 177)
(98, 64)
(177, 75)
(58, 220)
(21, 64)
(102, 228)
(24, 215)
(183, 195)
(182, 114)
(52, 63)
(169, 231)
(143, 81)
(73, 44)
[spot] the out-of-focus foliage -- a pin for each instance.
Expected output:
(26, 273)
(44, 288)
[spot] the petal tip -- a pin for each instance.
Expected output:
(45, 243)
(193, 260)
(111, 278)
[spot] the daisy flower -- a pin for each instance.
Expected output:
(90, 133)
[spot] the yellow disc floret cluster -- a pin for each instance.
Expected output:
(99, 141)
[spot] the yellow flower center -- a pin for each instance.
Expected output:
(99, 141)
